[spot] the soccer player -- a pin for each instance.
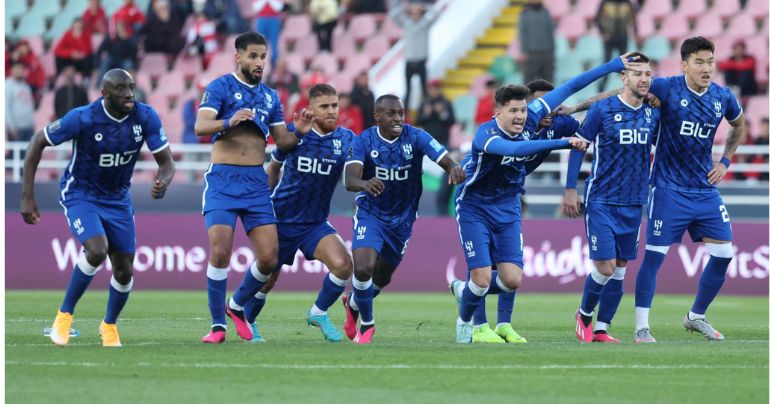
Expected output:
(240, 112)
(310, 170)
(488, 204)
(385, 167)
(106, 138)
(621, 129)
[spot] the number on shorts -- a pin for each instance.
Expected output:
(725, 216)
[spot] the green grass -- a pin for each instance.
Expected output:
(413, 359)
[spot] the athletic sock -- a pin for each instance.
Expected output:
(216, 281)
(117, 299)
(331, 290)
(82, 275)
(254, 306)
(252, 282)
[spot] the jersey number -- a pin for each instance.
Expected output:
(725, 216)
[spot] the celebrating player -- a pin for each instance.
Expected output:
(106, 138)
(621, 129)
(240, 111)
(385, 167)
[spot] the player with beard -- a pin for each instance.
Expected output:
(240, 112)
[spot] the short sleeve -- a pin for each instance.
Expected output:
(64, 129)
(156, 136)
(357, 151)
(429, 146)
(733, 109)
(278, 156)
(592, 124)
(213, 98)
(276, 115)
(660, 87)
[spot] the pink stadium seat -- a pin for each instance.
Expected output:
(36, 44)
(757, 106)
(96, 41)
(692, 9)
(172, 84)
(220, 64)
(362, 26)
(708, 25)
(572, 26)
(143, 81)
(757, 46)
(514, 48)
(645, 26)
(342, 81)
(326, 61)
(153, 64)
(670, 66)
(674, 27)
(478, 86)
(296, 26)
(344, 47)
(587, 9)
(45, 112)
(726, 8)
(357, 64)
(742, 25)
(757, 8)
(376, 47)
(558, 8)
(173, 124)
(159, 101)
(390, 30)
(307, 46)
(722, 130)
(657, 9)
(94, 94)
(229, 45)
(762, 71)
(295, 63)
(188, 66)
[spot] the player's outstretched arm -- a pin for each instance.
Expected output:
(501, 147)
(354, 170)
(286, 140)
(735, 138)
(456, 173)
(165, 173)
(29, 210)
(570, 204)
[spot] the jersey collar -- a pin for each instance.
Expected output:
(110, 116)
(243, 82)
(321, 134)
(503, 130)
(686, 84)
(386, 140)
(629, 105)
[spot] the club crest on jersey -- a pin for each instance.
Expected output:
(374, 154)
(98, 137)
(492, 131)
(238, 96)
(618, 117)
(269, 100)
(407, 151)
(549, 133)
(137, 133)
(594, 247)
(718, 108)
(205, 97)
(648, 114)
(337, 146)
(658, 225)
(469, 249)
(683, 103)
(361, 230)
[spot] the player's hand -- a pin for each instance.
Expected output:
(577, 143)
(158, 189)
(570, 203)
(374, 186)
(304, 121)
(29, 211)
(456, 175)
(564, 110)
(240, 116)
(631, 63)
(653, 100)
(717, 173)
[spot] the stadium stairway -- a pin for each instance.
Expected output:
(489, 46)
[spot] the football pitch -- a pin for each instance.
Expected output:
(413, 358)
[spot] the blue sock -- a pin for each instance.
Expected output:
(330, 291)
(77, 285)
(254, 306)
(645, 280)
(710, 282)
(472, 295)
(363, 292)
(216, 282)
(117, 300)
(505, 306)
(480, 314)
(592, 290)
(611, 296)
(252, 282)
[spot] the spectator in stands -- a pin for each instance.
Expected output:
(121, 52)
(740, 70)
(130, 16)
(70, 95)
(163, 31)
(324, 14)
(19, 105)
(485, 108)
(283, 81)
(74, 49)
(202, 35)
(365, 6)
(536, 35)
(361, 95)
(33, 70)
(94, 18)
(350, 115)
(268, 23)
(227, 15)
(437, 117)
(416, 26)
(616, 20)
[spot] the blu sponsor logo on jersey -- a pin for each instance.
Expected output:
(313, 166)
(695, 129)
(392, 174)
(634, 136)
(115, 159)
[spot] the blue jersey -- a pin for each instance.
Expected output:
(228, 94)
(104, 149)
(688, 124)
(622, 139)
(398, 164)
(561, 126)
(310, 173)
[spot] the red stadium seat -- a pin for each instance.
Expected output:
(362, 26)
(674, 27)
(692, 9)
(657, 9)
(557, 8)
(153, 64)
(742, 25)
(726, 8)
(572, 26)
(708, 25)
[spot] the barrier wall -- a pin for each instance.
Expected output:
(172, 253)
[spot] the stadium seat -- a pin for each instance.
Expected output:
(502, 67)
(173, 124)
(479, 84)
(757, 8)
(48, 61)
(36, 45)
(674, 27)
(657, 9)
(757, 46)
(391, 30)
(357, 64)
(362, 26)
(645, 25)
(756, 109)
(376, 47)
(297, 26)
(14, 9)
(708, 25)
(590, 48)
(94, 94)
(587, 8)
(692, 9)
(558, 8)
(45, 111)
(31, 24)
(159, 101)
(656, 47)
(342, 81)
(188, 66)
(221, 64)
(670, 66)
(153, 64)
(47, 9)
(344, 46)
(307, 47)
(727, 8)
(742, 25)
(144, 81)
(572, 26)
(61, 23)
(295, 63)
(172, 85)
(326, 61)
(465, 111)
(514, 47)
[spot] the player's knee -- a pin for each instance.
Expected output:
(220, 255)
(123, 277)
(363, 273)
(509, 282)
(267, 260)
(724, 250)
(606, 268)
(382, 280)
(96, 255)
(481, 280)
(341, 267)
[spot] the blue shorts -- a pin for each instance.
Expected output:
(490, 235)
(390, 242)
(88, 219)
(672, 212)
(612, 231)
(300, 236)
(237, 191)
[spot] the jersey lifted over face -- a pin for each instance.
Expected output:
(622, 137)
(398, 164)
(310, 173)
(688, 124)
(228, 94)
(104, 149)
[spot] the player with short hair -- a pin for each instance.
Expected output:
(309, 173)
(488, 204)
(621, 129)
(240, 112)
(385, 167)
(107, 136)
